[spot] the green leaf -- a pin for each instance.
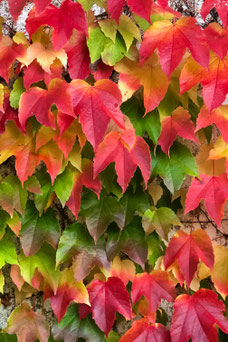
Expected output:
(161, 220)
(130, 241)
(7, 250)
(70, 328)
(4, 219)
(112, 337)
(8, 338)
(63, 185)
(78, 244)
(96, 43)
(109, 28)
(150, 123)
(174, 169)
(41, 200)
(156, 248)
(38, 229)
(100, 213)
(18, 90)
(86, 4)
(2, 282)
(113, 52)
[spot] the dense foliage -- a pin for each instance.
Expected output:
(96, 114)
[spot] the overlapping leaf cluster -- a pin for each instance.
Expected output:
(91, 109)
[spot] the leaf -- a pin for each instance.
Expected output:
(41, 5)
(219, 272)
(141, 7)
(63, 20)
(16, 7)
(106, 298)
(113, 52)
(79, 179)
(96, 43)
(96, 105)
(174, 169)
(131, 241)
(172, 41)
(159, 219)
(37, 101)
(77, 243)
(153, 286)
(142, 331)
(194, 317)
(219, 151)
(68, 290)
(8, 338)
(208, 166)
(16, 277)
(115, 8)
(38, 229)
(179, 123)
(219, 116)
(214, 191)
(9, 52)
(63, 185)
(219, 36)
(127, 155)
(122, 269)
(99, 213)
(18, 90)
(71, 328)
(156, 248)
(187, 250)
(133, 75)
(220, 6)
(27, 324)
(7, 251)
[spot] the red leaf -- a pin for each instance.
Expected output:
(187, 250)
(86, 179)
(194, 317)
(220, 5)
(9, 51)
(179, 123)
(15, 7)
(143, 331)
(41, 5)
(141, 7)
(63, 20)
(106, 298)
(78, 56)
(102, 71)
(214, 191)
(154, 287)
(218, 116)
(37, 101)
(115, 8)
(217, 39)
(172, 41)
(115, 148)
(96, 106)
(8, 113)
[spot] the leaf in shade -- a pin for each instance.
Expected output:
(38, 229)
(71, 328)
(63, 20)
(27, 324)
(106, 298)
(68, 290)
(194, 317)
(154, 287)
(130, 241)
(174, 169)
(77, 243)
(143, 331)
(214, 191)
(187, 249)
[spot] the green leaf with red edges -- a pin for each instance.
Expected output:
(214, 82)
(187, 249)
(154, 287)
(63, 20)
(107, 298)
(27, 324)
(79, 179)
(221, 7)
(127, 152)
(143, 331)
(171, 40)
(133, 75)
(38, 102)
(214, 191)
(96, 105)
(77, 243)
(71, 328)
(68, 290)
(12, 195)
(9, 51)
(131, 241)
(218, 116)
(38, 229)
(99, 213)
(179, 123)
(194, 317)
